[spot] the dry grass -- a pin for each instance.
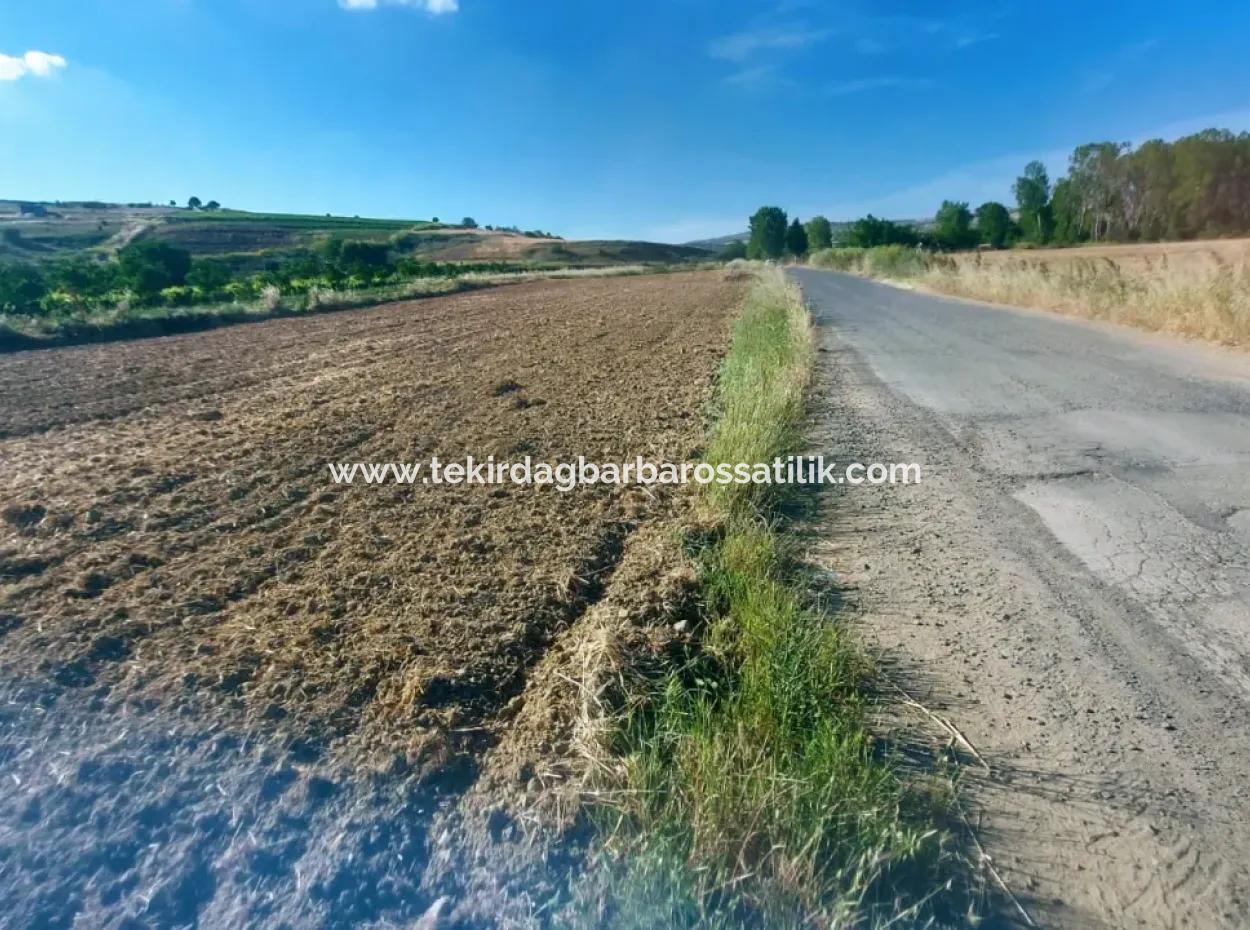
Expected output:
(1200, 290)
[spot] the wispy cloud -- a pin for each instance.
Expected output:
(741, 46)
(877, 34)
(433, 7)
(35, 64)
(1095, 81)
(756, 76)
(888, 82)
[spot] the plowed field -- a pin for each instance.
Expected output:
(233, 693)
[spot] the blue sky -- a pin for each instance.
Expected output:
(670, 120)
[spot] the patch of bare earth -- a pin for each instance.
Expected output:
(236, 694)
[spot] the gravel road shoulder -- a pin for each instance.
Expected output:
(1110, 770)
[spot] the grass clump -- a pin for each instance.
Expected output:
(752, 794)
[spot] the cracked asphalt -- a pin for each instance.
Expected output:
(1071, 585)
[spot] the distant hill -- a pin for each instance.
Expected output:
(40, 231)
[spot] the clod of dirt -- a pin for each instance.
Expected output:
(23, 515)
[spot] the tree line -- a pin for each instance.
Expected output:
(1194, 187)
(774, 235)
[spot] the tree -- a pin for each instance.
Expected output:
(1032, 190)
(212, 205)
(953, 226)
(796, 239)
(732, 250)
(1065, 211)
(819, 233)
(469, 223)
(148, 266)
(768, 233)
(993, 224)
(870, 231)
(194, 203)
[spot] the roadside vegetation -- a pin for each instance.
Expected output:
(751, 793)
(1200, 294)
(19, 331)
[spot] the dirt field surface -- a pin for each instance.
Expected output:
(235, 694)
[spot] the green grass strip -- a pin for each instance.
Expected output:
(754, 796)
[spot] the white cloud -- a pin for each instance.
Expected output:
(860, 85)
(742, 45)
(433, 7)
(39, 64)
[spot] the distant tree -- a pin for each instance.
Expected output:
(768, 233)
(435, 220)
(796, 239)
(149, 265)
(194, 203)
(212, 205)
(1032, 190)
(1067, 216)
(469, 223)
(953, 226)
(870, 231)
(819, 233)
(173, 203)
(735, 249)
(993, 224)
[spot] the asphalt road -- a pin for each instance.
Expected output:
(1083, 550)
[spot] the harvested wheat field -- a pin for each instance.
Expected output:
(1196, 253)
(236, 694)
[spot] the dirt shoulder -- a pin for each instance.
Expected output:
(1095, 807)
(235, 693)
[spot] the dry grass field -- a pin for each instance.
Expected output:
(1130, 255)
(1197, 289)
(235, 694)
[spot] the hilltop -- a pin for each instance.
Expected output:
(37, 231)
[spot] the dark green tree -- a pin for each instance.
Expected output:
(953, 226)
(819, 233)
(194, 203)
(212, 205)
(768, 233)
(1067, 214)
(469, 223)
(1032, 190)
(993, 224)
(796, 239)
(870, 231)
(149, 265)
(732, 250)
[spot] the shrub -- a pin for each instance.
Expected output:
(149, 266)
(178, 296)
(21, 288)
